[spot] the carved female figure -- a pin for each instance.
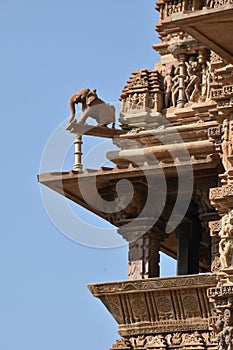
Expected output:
(175, 86)
(225, 250)
(225, 145)
(226, 242)
(168, 83)
(193, 89)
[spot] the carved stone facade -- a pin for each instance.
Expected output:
(198, 81)
(177, 127)
(221, 296)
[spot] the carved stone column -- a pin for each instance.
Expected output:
(209, 225)
(144, 257)
(77, 152)
(182, 73)
(215, 227)
(188, 237)
(144, 252)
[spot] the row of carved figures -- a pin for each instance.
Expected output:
(199, 340)
(138, 101)
(190, 81)
(197, 79)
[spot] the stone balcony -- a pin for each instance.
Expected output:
(159, 305)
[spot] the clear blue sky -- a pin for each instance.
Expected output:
(49, 50)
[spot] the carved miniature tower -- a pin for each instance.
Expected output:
(175, 147)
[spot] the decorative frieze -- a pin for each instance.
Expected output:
(173, 340)
(222, 195)
(218, 3)
(152, 283)
(221, 93)
(215, 132)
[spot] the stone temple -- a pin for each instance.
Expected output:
(175, 146)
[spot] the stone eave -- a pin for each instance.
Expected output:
(201, 25)
(66, 183)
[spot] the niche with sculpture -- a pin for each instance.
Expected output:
(189, 81)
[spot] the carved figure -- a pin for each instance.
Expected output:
(175, 87)
(225, 333)
(226, 242)
(176, 339)
(121, 344)
(221, 342)
(92, 106)
(168, 84)
(206, 81)
(227, 226)
(135, 101)
(225, 250)
(225, 145)
(228, 333)
(193, 88)
(219, 327)
(141, 101)
(156, 341)
(151, 101)
(126, 104)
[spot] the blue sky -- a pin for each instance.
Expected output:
(49, 50)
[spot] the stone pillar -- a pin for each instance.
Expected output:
(215, 227)
(77, 152)
(183, 234)
(188, 236)
(144, 257)
(182, 73)
(144, 249)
